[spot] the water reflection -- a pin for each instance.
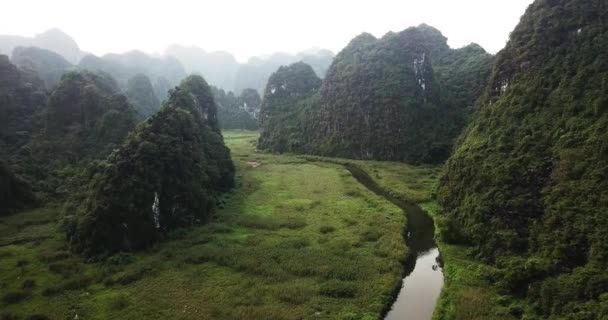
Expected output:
(423, 273)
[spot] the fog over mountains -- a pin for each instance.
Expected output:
(219, 68)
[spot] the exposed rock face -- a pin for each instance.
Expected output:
(526, 185)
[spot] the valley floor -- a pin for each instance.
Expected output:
(297, 239)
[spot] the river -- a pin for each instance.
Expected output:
(423, 276)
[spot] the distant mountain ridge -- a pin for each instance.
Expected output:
(53, 39)
(221, 69)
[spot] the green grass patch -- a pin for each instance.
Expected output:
(296, 239)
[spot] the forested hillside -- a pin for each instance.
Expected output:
(526, 185)
(140, 92)
(403, 97)
(286, 106)
(237, 112)
(165, 175)
(48, 65)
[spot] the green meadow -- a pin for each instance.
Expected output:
(296, 239)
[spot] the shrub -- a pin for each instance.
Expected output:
(295, 294)
(371, 235)
(28, 284)
(327, 229)
(77, 283)
(338, 289)
(51, 291)
(15, 297)
(118, 302)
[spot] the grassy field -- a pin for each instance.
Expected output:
(297, 239)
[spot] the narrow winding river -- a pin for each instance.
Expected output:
(423, 278)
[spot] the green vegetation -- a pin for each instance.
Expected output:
(21, 96)
(141, 94)
(49, 65)
(283, 111)
(45, 138)
(263, 255)
(164, 73)
(167, 174)
(237, 112)
(408, 90)
(525, 188)
(15, 194)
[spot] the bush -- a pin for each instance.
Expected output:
(118, 302)
(77, 283)
(28, 284)
(338, 289)
(371, 235)
(15, 297)
(327, 229)
(51, 291)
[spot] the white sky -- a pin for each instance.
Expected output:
(255, 27)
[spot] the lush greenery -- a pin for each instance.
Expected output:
(526, 186)
(15, 194)
(22, 96)
(86, 116)
(49, 65)
(403, 97)
(297, 239)
(141, 94)
(284, 107)
(237, 112)
(44, 136)
(167, 174)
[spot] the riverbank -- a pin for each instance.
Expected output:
(468, 293)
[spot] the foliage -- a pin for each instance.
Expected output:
(242, 272)
(289, 93)
(167, 174)
(49, 65)
(164, 73)
(397, 98)
(21, 98)
(237, 112)
(141, 94)
(86, 116)
(526, 183)
(15, 193)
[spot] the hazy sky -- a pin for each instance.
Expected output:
(255, 27)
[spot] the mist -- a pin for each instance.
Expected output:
(248, 28)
